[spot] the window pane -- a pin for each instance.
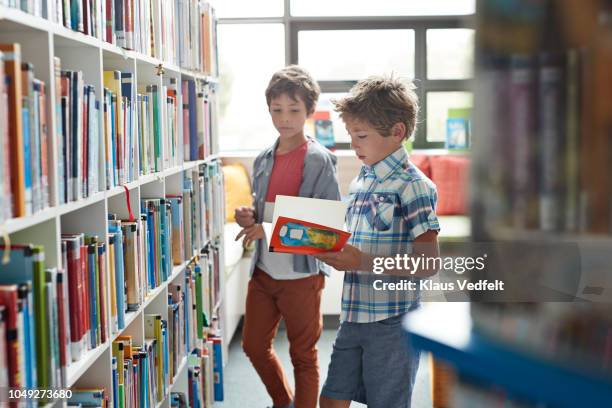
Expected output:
(249, 8)
(438, 105)
(323, 112)
(381, 7)
(246, 68)
(356, 54)
(450, 53)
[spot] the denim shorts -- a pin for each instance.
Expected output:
(372, 363)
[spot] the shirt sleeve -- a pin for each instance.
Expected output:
(419, 208)
(326, 184)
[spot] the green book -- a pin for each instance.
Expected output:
(42, 320)
(199, 298)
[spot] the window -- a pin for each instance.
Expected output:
(450, 53)
(340, 42)
(255, 51)
(249, 8)
(381, 7)
(355, 54)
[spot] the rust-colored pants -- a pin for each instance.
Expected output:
(298, 302)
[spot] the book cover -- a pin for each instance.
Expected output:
(12, 68)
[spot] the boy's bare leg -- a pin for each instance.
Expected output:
(325, 402)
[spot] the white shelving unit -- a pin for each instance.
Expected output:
(41, 40)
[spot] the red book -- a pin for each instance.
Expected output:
(75, 295)
(9, 299)
(302, 237)
(109, 21)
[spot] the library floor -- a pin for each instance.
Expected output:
(243, 389)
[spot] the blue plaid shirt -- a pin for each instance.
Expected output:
(391, 203)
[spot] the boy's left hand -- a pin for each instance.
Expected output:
(347, 259)
(252, 233)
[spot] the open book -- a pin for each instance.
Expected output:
(307, 226)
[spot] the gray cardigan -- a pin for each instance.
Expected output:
(319, 180)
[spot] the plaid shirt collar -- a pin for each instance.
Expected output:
(387, 166)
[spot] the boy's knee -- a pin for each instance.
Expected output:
(303, 356)
(254, 349)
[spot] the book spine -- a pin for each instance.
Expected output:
(552, 137)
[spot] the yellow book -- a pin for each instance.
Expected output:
(153, 330)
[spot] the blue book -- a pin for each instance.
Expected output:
(193, 125)
(115, 379)
(87, 398)
(150, 246)
(63, 184)
(457, 133)
(23, 293)
(165, 242)
(98, 142)
(218, 368)
(20, 271)
(27, 164)
(76, 99)
(142, 374)
(165, 347)
(186, 310)
(145, 366)
(92, 124)
(91, 267)
(113, 139)
(35, 162)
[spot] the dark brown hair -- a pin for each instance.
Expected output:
(294, 80)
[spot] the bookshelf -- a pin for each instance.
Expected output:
(559, 383)
(541, 196)
(41, 40)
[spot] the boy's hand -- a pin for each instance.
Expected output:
(347, 259)
(252, 233)
(245, 216)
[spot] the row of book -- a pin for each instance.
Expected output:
(41, 339)
(181, 32)
(24, 159)
(33, 316)
(536, 128)
(543, 163)
(143, 374)
(130, 133)
(543, 131)
(34, 7)
(78, 140)
(580, 335)
(469, 394)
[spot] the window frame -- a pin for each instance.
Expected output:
(420, 24)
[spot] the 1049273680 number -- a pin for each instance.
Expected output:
(20, 394)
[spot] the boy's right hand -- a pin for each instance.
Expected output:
(245, 216)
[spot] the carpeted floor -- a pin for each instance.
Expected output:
(243, 389)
